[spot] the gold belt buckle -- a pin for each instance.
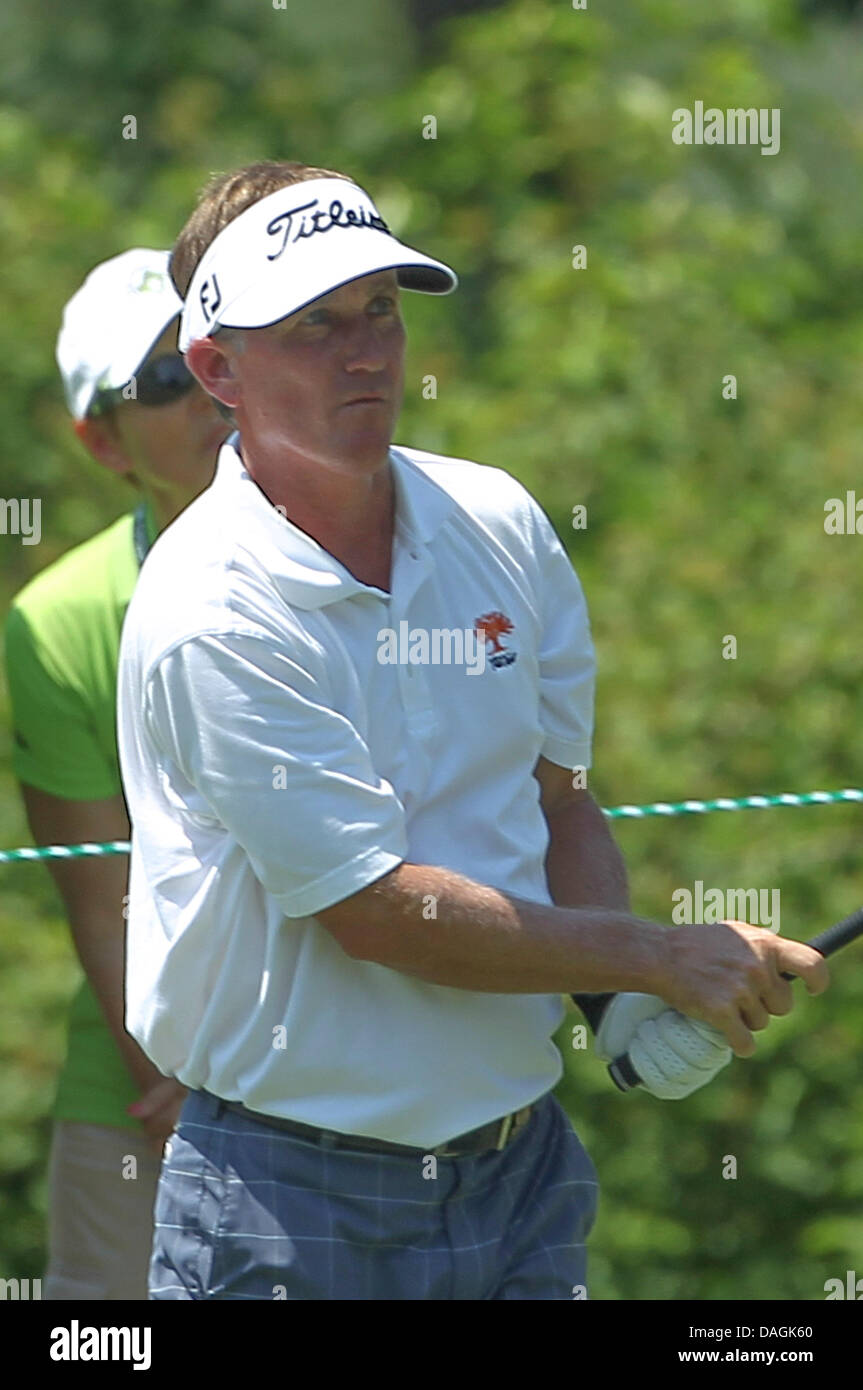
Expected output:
(505, 1128)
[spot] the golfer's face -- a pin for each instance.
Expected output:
(299, 379)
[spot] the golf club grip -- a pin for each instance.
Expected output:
(623, 1073)
(839, 935)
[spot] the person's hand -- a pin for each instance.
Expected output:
(673, 1055)
(158, 1110)
(730, 976)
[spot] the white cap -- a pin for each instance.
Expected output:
(111, 323)
(290, 248)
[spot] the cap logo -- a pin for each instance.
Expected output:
(211, 297)
(150, 280)
(353, 217)
(259, 285)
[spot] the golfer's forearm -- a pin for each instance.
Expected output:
(448, 930)
(583, 865)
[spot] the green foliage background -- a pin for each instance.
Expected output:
(599, 386)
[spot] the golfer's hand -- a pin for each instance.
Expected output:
(729, 975)
(673, 1055)
(158, 1110)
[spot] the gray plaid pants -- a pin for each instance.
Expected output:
(244, 1211)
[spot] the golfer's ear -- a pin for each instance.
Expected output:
(211, 363)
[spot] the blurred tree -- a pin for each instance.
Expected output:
(182, 73)
(820, 8)
(427, 14)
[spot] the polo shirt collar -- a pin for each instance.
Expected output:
(150, 520)
(306, 574)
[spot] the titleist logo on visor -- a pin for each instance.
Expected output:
(304, 224)
(276, 256)
(282, 225)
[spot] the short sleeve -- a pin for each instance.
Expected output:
(567, 661)
(55, 743)
(251, 728)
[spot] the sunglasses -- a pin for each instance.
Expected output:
(159, 382)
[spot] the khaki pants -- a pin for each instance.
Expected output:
(100, 1222)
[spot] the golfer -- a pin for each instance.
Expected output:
(361, 877)
(140, 414)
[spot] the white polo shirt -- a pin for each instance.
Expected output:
(274, 765)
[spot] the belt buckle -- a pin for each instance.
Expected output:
(503, 1134)
(506, 1125)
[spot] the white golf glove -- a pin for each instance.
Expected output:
(674, 1055)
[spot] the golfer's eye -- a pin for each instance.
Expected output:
(385, 304)
(316, 316)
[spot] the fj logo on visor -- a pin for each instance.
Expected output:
(211, 297)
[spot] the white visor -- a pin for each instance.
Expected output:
(292, 247)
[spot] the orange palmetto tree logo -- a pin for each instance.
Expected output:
(493, 626)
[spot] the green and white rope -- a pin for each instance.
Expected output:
(654, 808)
(85, 851)
(728, 803)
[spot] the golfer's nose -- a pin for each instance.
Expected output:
(364, 348)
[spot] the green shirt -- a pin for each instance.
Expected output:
(62, 644)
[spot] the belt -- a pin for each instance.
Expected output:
(495, 1135)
